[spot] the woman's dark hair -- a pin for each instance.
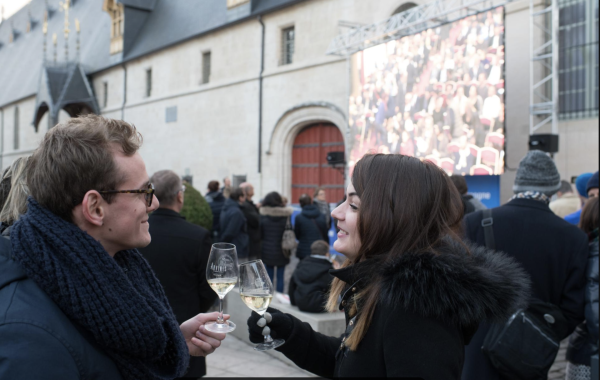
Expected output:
(305, 200)
(213, 186)
(589, 216)
(405, 206)
(273, 199)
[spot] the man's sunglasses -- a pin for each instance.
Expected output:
(149, 193)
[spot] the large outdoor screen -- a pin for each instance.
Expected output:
(436, 95)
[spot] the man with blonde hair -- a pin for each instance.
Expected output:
(77, 300)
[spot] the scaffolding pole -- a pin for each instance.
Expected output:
(543, 65)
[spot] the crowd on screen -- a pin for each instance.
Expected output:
(436, 95)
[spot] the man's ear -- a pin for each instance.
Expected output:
(93, 208)
(180, 197)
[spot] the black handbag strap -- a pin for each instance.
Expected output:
(488, 230)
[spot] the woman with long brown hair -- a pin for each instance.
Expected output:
(412, 292)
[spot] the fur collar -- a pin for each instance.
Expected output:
(452, 285)
(276, 211)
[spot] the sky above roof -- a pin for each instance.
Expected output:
(12, 6)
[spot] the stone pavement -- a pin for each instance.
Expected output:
(236, 358)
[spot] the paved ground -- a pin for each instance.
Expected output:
(236, 358)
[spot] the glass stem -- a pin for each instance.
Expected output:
(268, 339)
(220, 317)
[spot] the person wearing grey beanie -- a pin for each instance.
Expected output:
(537, 173)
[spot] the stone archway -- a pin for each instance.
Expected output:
(277, 171)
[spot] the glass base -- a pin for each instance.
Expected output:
(220, 327)
(269, 346)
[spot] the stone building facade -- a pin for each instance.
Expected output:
(238, 118)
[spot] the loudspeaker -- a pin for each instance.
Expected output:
(335, 158)
(545, 142)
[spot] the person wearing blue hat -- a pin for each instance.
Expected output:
(585, 183)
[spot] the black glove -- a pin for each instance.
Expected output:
(280, 326)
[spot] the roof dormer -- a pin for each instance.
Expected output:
(116, 11)
(127, 18)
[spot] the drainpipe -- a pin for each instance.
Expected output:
(260, 91)
(124, 91)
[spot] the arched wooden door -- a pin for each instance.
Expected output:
(309, 162)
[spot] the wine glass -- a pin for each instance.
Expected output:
(257, 291)
(222, 274)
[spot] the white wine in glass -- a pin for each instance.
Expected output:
(222, 272)
(256, 291)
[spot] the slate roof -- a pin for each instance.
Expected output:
(163, 24)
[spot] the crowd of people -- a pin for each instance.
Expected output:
(101, 277)
(438, 94)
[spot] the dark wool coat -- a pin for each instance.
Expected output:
(233, 227)
(272, 225)
(253, 222)
(583, 343)
(215, 200)
(178, 255)
(310, 283)
(553, 252)
(429, 307)
(37, 340)
(309, 227)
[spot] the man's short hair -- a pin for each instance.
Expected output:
(77, 156)
(213, 186)
(236, 194)
(319, 248)
(166, 186)
(565, 187)
(460, 183)
(305, 200)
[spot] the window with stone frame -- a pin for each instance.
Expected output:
(148, 82)
(117, 17)
(206, 67)
(287, 45)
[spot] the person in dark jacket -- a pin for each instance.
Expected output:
(252, 221)
(583, 343)
(412, 292)
(215, 200)
(273, 219)
(553, 252)
(311, 280)
(77, 299)
(233, 223)
(309, 226)
(178, 255)
(320, 200)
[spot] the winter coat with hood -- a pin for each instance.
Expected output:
(215, 200)
(429, 306)
(309, 227)
(583, 343)
(233, 227)
(310, 283)
(272, 225)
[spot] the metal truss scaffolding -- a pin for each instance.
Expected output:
(543, 66)
(409, 22)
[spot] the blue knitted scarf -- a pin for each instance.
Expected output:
(118, 300)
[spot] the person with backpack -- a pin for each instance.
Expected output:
(583, 343)
(553, 252)
(411, 290)
(309, 226)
